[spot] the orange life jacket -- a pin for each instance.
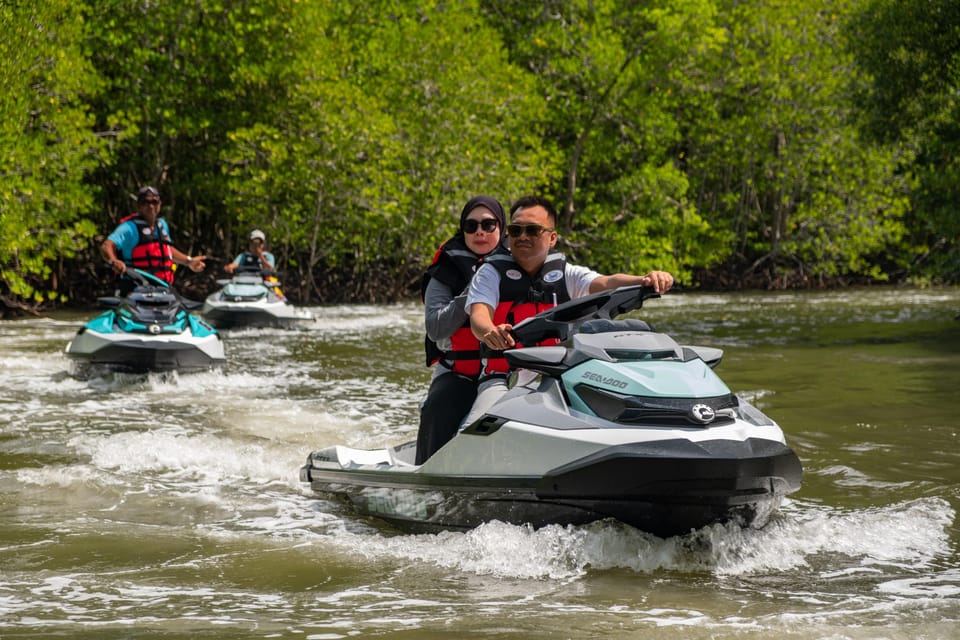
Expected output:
(454, 265)
(153, 252)
(523, 297)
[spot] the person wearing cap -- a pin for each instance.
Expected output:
(450, 346)
(256, 257)
(142, 241)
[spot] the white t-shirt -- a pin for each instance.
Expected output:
(485, 285)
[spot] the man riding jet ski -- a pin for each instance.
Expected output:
(252, 298)
(142, 241)
(149, 329)
(615, 421)
(624, 424)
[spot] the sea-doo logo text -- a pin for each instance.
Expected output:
(702, 413)
(596, 377)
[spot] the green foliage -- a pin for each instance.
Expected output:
(398, 115)
(911, 49)
(609, 71)
(774, 152)
(688, 135)
(47, 144)
(181, 78)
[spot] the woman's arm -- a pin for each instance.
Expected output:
(443, 313)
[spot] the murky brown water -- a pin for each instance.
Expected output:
(170, 506)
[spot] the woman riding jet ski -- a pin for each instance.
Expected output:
(616, 421)
(149, 329)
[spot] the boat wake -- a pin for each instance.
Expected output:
(906, 535)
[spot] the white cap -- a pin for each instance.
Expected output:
(256, 234)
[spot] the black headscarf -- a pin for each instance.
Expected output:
(483, 201)
(456, 273)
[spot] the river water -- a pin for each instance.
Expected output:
(169, 506)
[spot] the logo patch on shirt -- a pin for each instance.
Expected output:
(513, 274)
(553, 276)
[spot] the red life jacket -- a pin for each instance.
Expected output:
(454, 265)
(153, 252)
(523, 297)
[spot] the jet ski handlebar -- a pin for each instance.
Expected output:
(257, 271)
(146, 279)
(561, 321)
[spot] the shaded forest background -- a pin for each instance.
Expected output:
(761, 144)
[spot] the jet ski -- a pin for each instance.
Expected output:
(148, 330)
(616, 421)
(252, 298)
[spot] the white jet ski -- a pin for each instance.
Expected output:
(617, 421)
(148, 330)
(252, 298)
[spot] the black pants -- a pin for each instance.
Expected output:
(448, 401)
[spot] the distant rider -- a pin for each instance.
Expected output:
(142, 241)
(256, 257)
(258, 260)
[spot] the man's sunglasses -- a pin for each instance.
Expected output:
(150, 202)
(532, 230)
(487, 224)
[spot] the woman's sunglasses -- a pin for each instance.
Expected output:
(487, 224)
(532, 230)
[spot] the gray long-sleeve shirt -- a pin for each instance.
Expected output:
(443, 315)
(443, 312)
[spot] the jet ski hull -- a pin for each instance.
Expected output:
(666, 488)
(616, 421)
(132, 354)
(228, 315)
(102, 342)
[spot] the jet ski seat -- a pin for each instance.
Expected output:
(350, 458)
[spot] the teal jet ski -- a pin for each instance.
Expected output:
(150, 329)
